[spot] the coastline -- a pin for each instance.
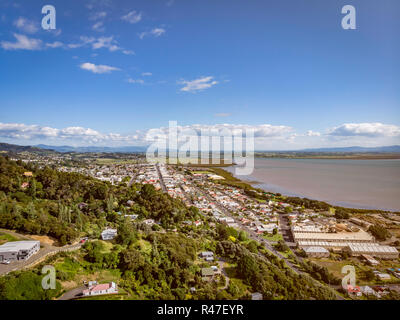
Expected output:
(363, 156)
(272, 188)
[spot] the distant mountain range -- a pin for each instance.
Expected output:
(133, 149)
(93, 149)
(387, 149)
(17, 149)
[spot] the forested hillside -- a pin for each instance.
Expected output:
(67, 205)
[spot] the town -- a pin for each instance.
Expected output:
(297, 235)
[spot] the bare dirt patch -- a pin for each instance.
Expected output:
(45, 240)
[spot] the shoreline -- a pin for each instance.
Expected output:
(389, 156)
(270, 188)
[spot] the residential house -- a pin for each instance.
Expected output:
(354, 291)
(99, 289)
(207, 274)
(149, 222)
(109, 234)
(256, 296)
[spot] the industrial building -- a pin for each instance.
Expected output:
(331, 240)
(373, 249)
(18, 250)
(316, 252)
(336, 237)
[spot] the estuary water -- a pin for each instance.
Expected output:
(369, 184)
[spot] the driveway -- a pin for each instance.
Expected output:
(73, 294)
(221, 263)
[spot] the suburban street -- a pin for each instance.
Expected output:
(254, 236)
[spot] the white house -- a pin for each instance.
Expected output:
(98, 289)
(109, 234)
(149, 222)
(207, 255)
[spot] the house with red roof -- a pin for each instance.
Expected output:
(98, 289)
(355, 291)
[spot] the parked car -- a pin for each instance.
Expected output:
(83, 240)
(5, 262)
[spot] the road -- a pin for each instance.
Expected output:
(221, 263)
(164, 188)
(73, 294)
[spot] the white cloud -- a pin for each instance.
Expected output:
(259, 131)
(198, 84)
(98, 15)
(99, 26)
(55, 44)
(106, 42)
(81, 135)
(146, 74)
(22, 131)
(267, 136)
(140, 81)
(132, 17)
(83, 42)
(31, 132)
(128, 52)
(103, 42)
(311, 133)
(98, 43)
(365, 130)
(99, 69)
(156, 32)
(26, 25)
(22, 43)
(55, 32)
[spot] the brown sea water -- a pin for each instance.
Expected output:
(370, 184)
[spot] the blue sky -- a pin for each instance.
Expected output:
(113, 69)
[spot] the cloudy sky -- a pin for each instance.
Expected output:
(113, 70)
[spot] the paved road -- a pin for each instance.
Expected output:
(73, 294)
(44, 251)
(164, 188)
(221, 263)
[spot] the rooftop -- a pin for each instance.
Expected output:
(18, 245)
(347, 236)
(315, 250)
(373, 247)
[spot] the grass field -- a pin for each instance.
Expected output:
(277, 237)
(114, 161)
(335, 267)
(202, 172)
(4, 237)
